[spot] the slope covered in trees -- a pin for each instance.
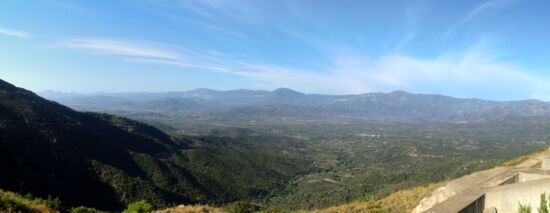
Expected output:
(107, 161)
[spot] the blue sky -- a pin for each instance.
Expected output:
(495, 49)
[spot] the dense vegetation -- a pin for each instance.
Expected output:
(277, 158)
(106, 161)
(13, 202)
(87, 158)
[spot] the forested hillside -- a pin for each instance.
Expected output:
(107, 161)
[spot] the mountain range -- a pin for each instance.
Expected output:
(398, 105)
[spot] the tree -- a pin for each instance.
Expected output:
(141, 206)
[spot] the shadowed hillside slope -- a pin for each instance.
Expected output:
(105, 161)
(87, 158)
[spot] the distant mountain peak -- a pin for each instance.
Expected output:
(202, 90)
(284, 91)
(400, 92)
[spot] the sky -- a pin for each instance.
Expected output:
(492, 49)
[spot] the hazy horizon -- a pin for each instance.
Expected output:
(266, 90)
(494, 50)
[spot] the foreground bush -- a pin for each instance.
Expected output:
(241, 207)
(141, 206)
(83, 209)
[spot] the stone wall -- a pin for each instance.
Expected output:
(506, 198)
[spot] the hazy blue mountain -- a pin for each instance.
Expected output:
(398, 105)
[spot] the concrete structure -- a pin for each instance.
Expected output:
(498, 190)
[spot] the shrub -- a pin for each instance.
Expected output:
(28, 196)
(543, 204)
(53, 203)
(12, 205)
(83, 209)
(241, 207)
(141, 206)
(524, 208)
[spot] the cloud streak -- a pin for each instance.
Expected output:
(14, 33)
(156, 53)
(483, 7)
(121, 48)
(475, 13)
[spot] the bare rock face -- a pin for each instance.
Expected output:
(439, 195)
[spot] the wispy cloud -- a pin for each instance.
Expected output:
(209, 16)
(219, 29)
(482, 8)
(75, 8)
(474, 13)
(14, 33)
(158, 53)
(185, 64)
(121, 47)
(405, 41)
(411, 20)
